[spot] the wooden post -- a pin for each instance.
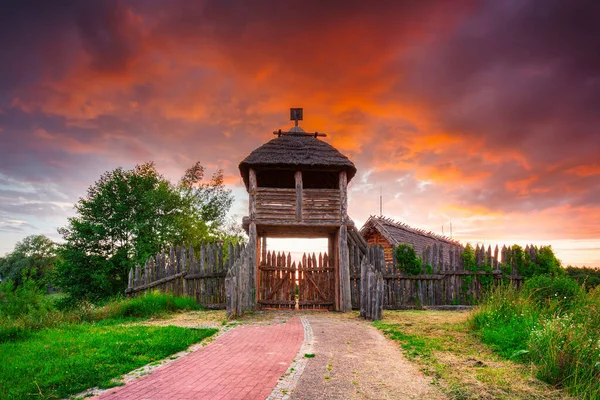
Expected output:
(343, 197)
(263, 257)
(252, 194)
(344, 269)
(253, 266)
(333, 261)
(298, 177)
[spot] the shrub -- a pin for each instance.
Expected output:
(552, 292)
(407, 259)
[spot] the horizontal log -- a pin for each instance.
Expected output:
(278, 302)
(158, 282)
(260, 200)
(206, 275)
(277, 213)
(270, 268)
(268, 221)
(315, 269)
(275, 190)
(315, 303)
(325, 193)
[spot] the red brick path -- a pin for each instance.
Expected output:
(244, 363)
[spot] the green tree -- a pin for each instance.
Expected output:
(33, 258)
(408, 261)
(129, 215)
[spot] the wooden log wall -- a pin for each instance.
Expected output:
(321, 205)
(445, 285)
(276, 204)
(186, 272)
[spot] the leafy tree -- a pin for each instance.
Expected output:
(584, 275)
(129, 215)
(408, 261)
(33, 258)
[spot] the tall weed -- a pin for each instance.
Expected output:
(552, 323)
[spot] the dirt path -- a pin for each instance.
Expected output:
(353, 360)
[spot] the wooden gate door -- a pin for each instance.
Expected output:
(316, 282)
(277, 282)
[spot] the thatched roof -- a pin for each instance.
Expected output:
(297, 150)
(395, 232)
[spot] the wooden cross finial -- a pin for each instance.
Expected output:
(296, 115)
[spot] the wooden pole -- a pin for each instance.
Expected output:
(252, 194)
(298, 178)
(333, 261)
(344, 263)
(343, 197)
(252, 261)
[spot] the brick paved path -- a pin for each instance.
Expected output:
(244, 363)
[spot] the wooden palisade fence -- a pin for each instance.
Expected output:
(448, 283)
(220, 279)
(201, 275)
(372, 283)
(239, 291)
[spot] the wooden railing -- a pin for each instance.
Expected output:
(280, 205)
(276, 204)
(321, 205)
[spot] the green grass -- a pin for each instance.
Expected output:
(456, 360)
(49, 352)
(551, 323)
(58, 362)
(26, 312)
(414, 345)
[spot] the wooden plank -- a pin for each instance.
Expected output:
(298, 179)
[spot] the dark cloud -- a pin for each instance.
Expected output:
(43, 38)
(454, 108)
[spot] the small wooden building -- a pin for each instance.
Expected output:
(297, 187)
(388, 233)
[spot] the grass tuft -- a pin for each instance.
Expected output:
(552, 323)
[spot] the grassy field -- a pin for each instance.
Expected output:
(441, 342)
(48, 353)
(58, 362)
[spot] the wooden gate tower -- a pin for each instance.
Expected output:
(297, 187)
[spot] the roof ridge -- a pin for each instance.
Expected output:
(402, 225)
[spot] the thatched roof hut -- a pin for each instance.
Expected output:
(296, 151)
(388, 233)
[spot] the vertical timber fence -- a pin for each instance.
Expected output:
(199, 274)
(372, 283)
(443, 281)
(219, 278)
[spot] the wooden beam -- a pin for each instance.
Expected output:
(343, 196)
(252, 194)
(298, 178)
(263, 257)
(333, 261)
(344, 266)
(253, 265)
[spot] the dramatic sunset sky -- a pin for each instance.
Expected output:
(483, 114)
